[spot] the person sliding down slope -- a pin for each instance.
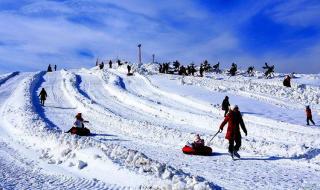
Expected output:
(234, 119)
(78, 126)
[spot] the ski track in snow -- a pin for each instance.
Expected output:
(140, 124)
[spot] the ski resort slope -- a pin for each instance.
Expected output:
(140, 123)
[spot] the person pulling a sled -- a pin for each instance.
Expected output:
(43, 96)
(234, 119)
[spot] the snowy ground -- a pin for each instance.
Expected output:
(140, 123)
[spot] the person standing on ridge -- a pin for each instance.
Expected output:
(49, 68)
(309, 115)
(129, 68)
(55, 67)
(225, 105)
(43, 96)
(234, 119)
(287, 81)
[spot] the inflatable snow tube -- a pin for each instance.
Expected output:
(80, 131)
(205, 151)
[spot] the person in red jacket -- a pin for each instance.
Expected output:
(309, 115)
(234, 119)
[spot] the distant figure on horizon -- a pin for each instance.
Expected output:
(233, 69)
(250, 71)
(129, 68)
(287, 81)
(201, 70)
(101, 65)
(55, 67)
(309, 115)
(49, 68)
(110, 64)
(43, 96)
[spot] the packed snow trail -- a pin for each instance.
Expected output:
(23, 172)
(134, 138)
(55, 85)
(159, 155)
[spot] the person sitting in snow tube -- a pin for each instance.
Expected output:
(78, 126)
(197, 147)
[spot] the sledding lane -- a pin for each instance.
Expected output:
(119, 123)
(138, 95)
(18, 169)
(61, 112)
(198, 170)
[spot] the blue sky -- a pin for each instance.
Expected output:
(73, 33)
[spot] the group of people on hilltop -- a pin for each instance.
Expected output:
(101, 65)
(50, 68)
(206, 67)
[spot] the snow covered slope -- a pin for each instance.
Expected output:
(141, 122)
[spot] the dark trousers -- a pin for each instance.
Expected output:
(232, 147)
(225, 112)
(310, 119)
(42, 101)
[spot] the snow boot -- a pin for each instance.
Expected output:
(235, 153)
(231, 154)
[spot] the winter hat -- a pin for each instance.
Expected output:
(235, 107)
(197, 137)
(79, 115)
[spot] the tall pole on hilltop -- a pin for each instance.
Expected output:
(153, 58)
(139, 46)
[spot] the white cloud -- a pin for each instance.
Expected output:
(297, 13)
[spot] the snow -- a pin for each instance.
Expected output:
(141, 122)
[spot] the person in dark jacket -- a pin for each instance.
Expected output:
(201, 71)
(129, 69)
(55, 67)
(234, 119)
(225, 105)
(287, 81)
(49, 68)
(309, 115)
(43, 96)
(101, 65)
(110, 64)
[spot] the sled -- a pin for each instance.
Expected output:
(80, 131)
(205, 151)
